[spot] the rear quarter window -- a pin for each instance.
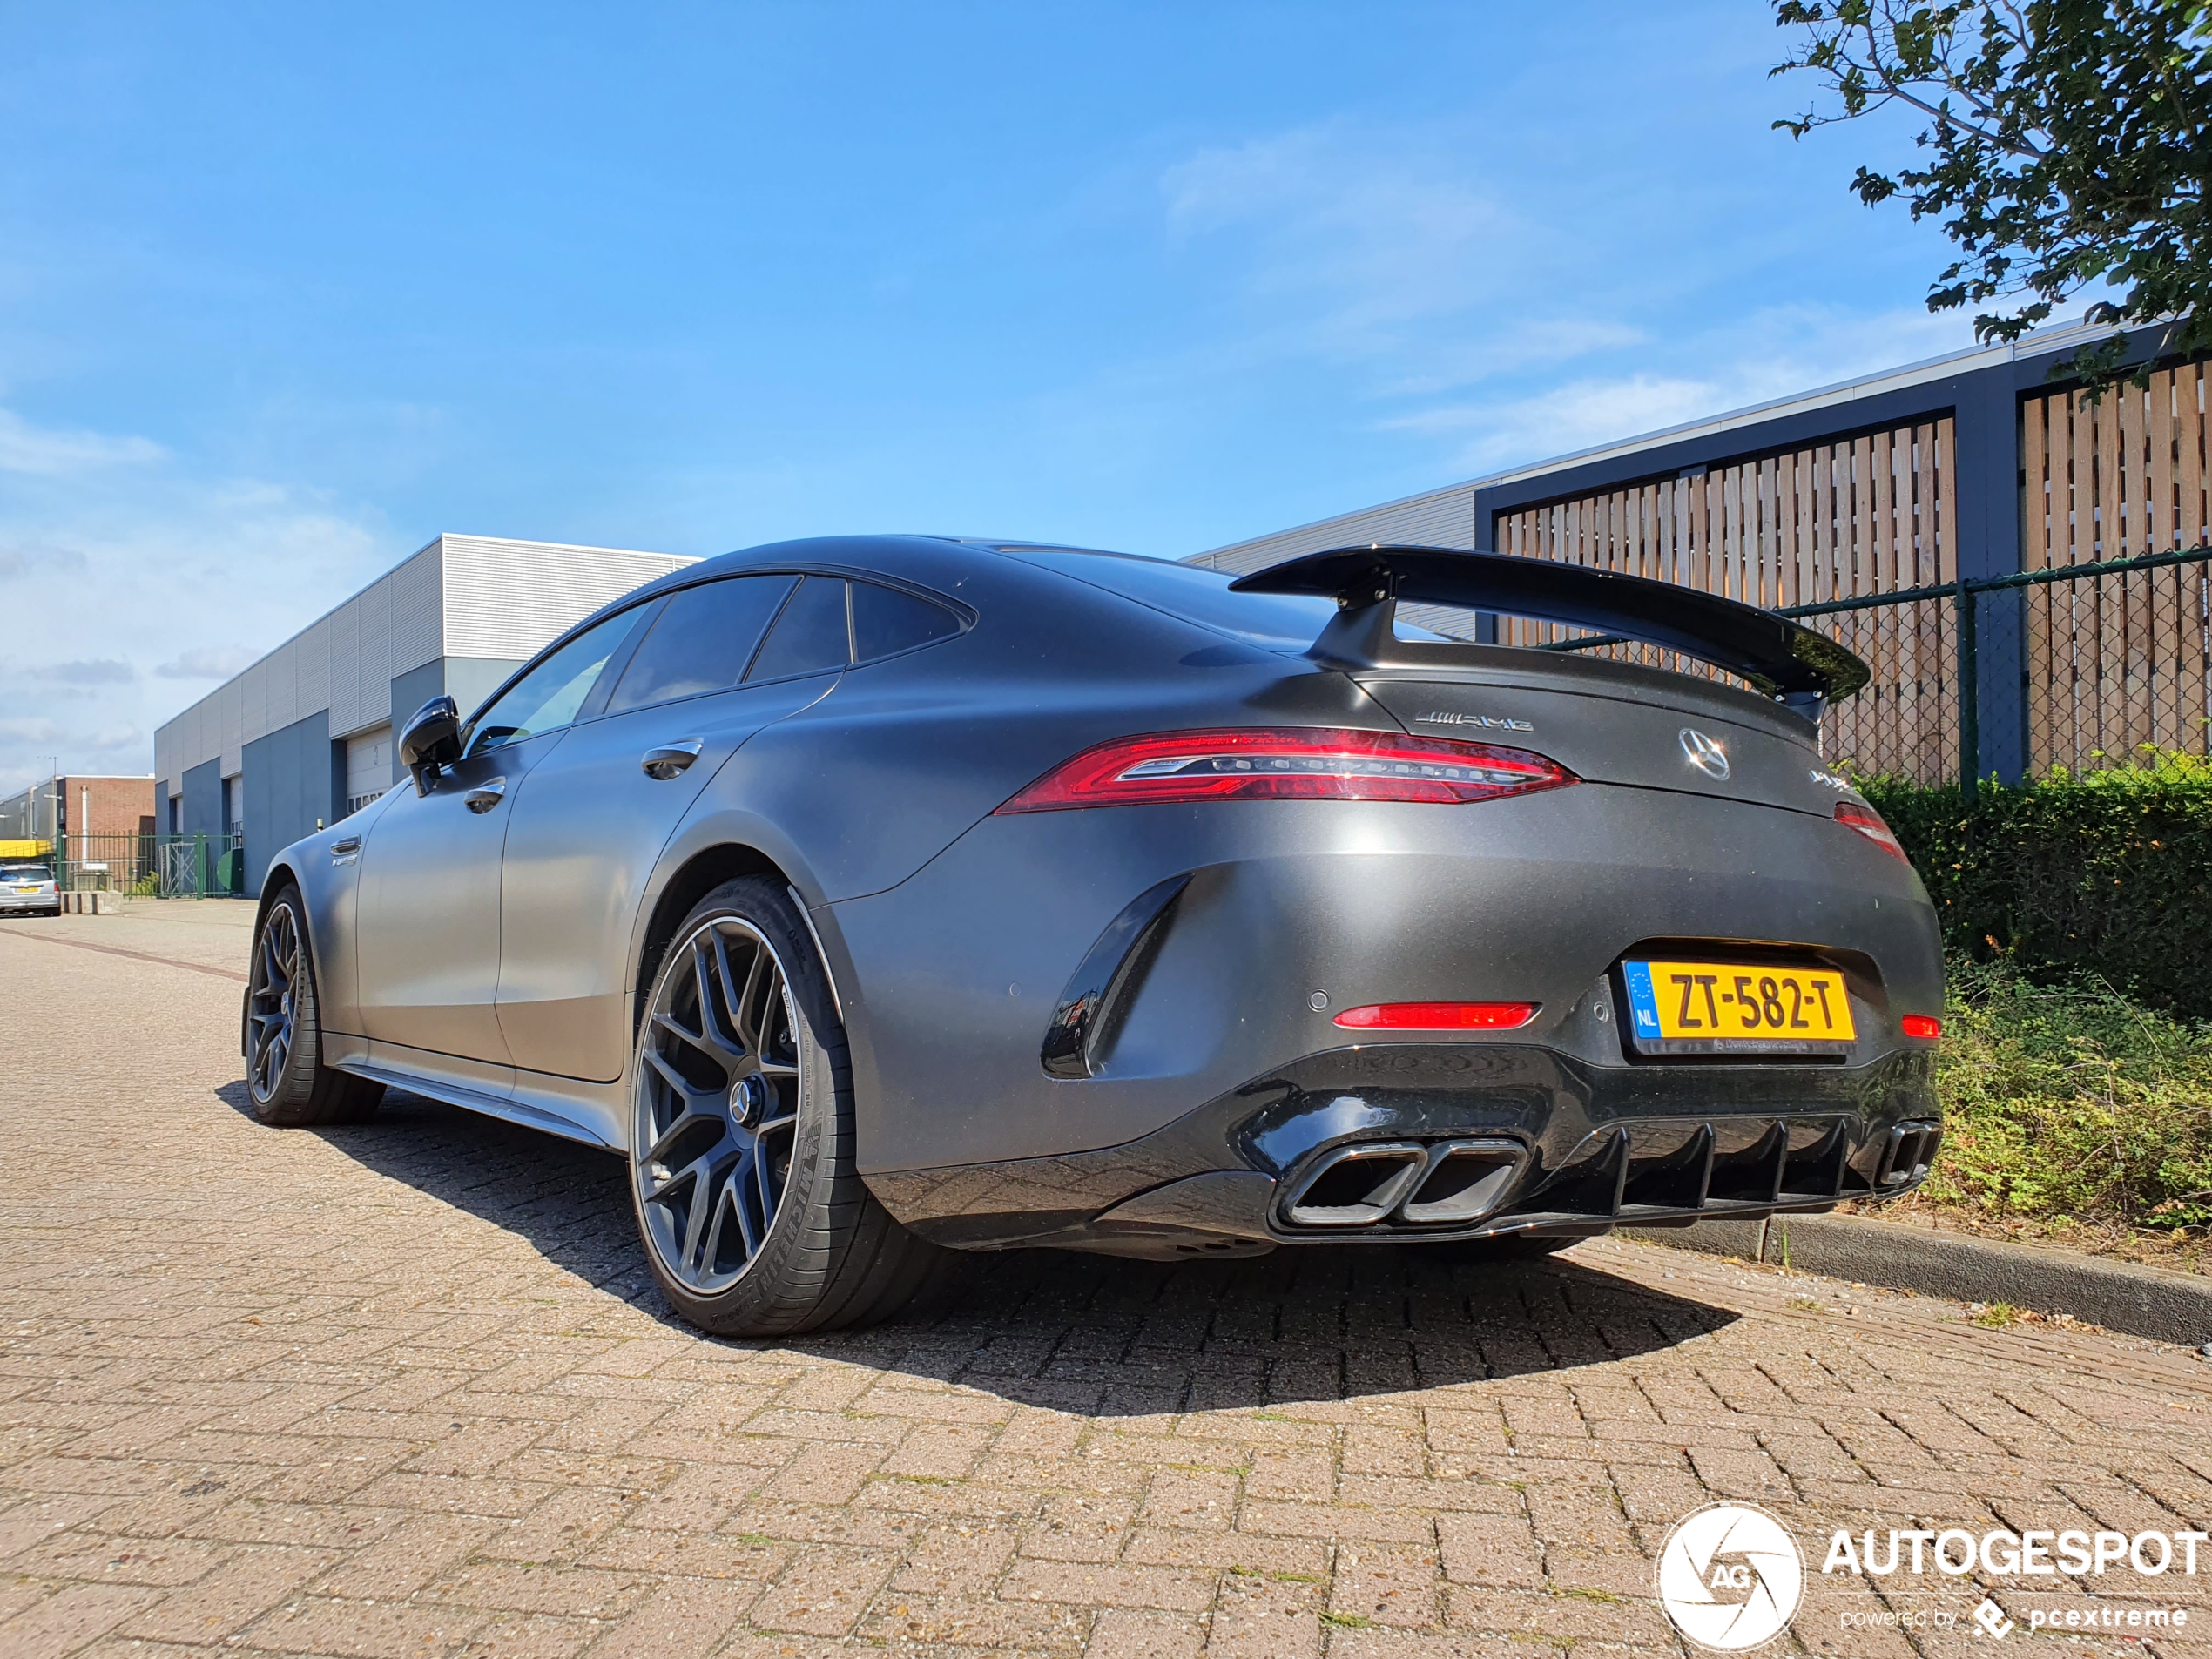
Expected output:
(811, 635)
(887, 622)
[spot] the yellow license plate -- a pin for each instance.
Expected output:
(1707, 1008)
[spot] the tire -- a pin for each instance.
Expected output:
(742, 1160)
(285, 1081)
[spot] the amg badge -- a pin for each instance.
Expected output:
(1494, 721)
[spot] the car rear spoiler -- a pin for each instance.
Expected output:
(1800, 668)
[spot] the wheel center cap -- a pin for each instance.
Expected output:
(748, 1096)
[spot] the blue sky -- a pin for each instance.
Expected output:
(286, 290)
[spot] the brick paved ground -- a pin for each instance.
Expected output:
(405, 1390)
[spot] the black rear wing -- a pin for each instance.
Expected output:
(1801, 669)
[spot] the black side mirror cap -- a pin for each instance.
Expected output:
(432, 740)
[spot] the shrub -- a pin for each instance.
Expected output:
(2071, 1104)
(2106, 873)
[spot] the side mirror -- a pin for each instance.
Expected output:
(432, 740)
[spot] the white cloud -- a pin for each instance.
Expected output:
(1387, 234)
(1776, 354)
(209, 663)
(129, 558)
(1379, 248)
(1491, 312)
(103, 670)
(53, 453)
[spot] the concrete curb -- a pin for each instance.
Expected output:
(2142, 1301)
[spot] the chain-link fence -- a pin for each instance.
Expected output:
(2077, 668)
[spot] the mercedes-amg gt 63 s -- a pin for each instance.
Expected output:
(880, 897)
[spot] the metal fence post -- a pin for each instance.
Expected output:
(1969, 690)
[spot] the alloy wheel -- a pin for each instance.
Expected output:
(717, 1103)
(269, 1007)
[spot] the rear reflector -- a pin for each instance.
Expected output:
(1438, 1016)
(1287, 763)
(1868, 822)
(1924, 1026)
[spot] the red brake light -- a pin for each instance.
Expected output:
(1287, 763)
(1868, 822)
(1438, 1016)
(1923, 1026)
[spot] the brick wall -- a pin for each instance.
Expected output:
(119, 805)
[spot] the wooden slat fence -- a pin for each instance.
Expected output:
(1844, 518)
(2117, 665)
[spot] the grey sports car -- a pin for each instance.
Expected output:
(878, 897)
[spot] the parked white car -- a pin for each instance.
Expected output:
(29, 888)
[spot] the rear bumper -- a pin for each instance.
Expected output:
(1292, 911)
(1536, 1141)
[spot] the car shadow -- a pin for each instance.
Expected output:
(1091, 1334)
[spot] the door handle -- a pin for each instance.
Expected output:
(486, 796)
(346, 849)
(671, 759)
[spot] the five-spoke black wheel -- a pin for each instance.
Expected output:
(285, 1077)
(741, 1136)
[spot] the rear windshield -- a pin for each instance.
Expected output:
(1276, 620)
(25, 872)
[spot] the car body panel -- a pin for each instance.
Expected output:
(427, 927)
(1618, 739)
(580, 848)
(950, 930)
(1526, 899)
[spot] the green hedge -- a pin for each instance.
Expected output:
(2107, 873)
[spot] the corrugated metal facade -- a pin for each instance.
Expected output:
(1442, 518)
(462, 596)
(505, 599)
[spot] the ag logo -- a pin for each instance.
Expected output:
(1705, 753)
(1730, 1576)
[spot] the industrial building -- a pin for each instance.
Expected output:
(305, 736)
(56, 808)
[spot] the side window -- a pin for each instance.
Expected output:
(886, 620)
(810, 635)
(547, 698)
(701, 642)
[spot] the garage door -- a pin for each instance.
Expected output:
(369, 767)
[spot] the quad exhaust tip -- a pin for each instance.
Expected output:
(1438, 1184)
(1910, 1153)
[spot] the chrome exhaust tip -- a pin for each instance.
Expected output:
(1444, 1183)
(1465, 1180)
(1356, 1185)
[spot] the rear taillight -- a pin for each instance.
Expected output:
(1925, 1027)
(1438, 1016)
(1868, 822)
(1286, 763)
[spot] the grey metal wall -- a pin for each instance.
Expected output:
(203, 800)
(288, 790)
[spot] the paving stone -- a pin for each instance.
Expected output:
(404, 1389)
